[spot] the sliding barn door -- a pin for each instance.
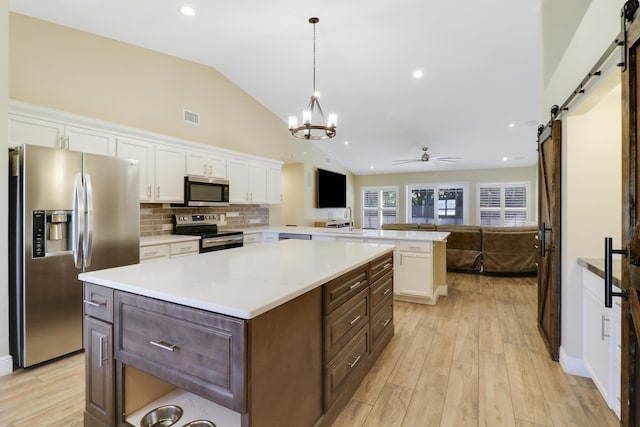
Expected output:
(630, 360)
(549, 156)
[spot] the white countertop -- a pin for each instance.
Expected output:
(434, 236)
(165, 239)
(241, 282)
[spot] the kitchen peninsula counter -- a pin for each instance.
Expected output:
(238, 329)
(369, 234)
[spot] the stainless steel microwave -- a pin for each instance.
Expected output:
(200, 191)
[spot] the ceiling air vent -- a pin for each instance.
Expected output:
(191, 117)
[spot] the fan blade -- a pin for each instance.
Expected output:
(446, 158)
(445, 161)
(397, 162)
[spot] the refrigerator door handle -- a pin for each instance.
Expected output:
(88, 241)
(78, 219)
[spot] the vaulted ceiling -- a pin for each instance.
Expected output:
(479, 97)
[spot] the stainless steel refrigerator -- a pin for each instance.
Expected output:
(69, 212)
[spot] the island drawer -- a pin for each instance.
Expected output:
(380, 266)
(382, 323)
(341, 289)
(341, 368)
(343, 323)
(184, 248)
(98, 302)
(381, 291)
(199, 351)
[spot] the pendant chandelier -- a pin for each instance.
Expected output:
(307, 130)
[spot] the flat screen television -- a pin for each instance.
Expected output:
(331, 189)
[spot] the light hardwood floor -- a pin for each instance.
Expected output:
(475, 359)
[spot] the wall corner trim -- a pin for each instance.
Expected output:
(573, 365)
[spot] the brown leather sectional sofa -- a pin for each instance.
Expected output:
(489, 250)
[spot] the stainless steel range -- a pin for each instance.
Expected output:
(205, 226)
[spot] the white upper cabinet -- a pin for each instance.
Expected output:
(169, 173)
(163, 161)
(249, 183)
(238, 176)
(26, 130)
(142, 151)
(206, 165)
(161, 168)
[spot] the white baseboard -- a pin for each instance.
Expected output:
(573, 365)
(6, 365)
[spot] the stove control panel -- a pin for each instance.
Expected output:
(196, 219)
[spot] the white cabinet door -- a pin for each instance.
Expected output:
(24, 130)
(217, 167)
(142, 151)
(257, 184)
(238, 176)
(197, 164)
(274, 186)
(414, 274)
(169, 173)
(206, 165)
(89, 141)
(596, 341)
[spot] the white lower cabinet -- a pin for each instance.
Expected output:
(601, 339)
(168, 250)
(266, 237)
(414, 274)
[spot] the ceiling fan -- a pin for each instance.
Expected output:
(426, 158)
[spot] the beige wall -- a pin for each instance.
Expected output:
(469, 177)
(596, 31)
(78, 72)
(5, 360)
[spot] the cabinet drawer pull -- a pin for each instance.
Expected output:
(387, 265)
(355, 319)
(355, 285)
(152, 253)
(94, 304)
(185, 249)
(618, 303)
(386, 322)
(386, 291)
(163, 345)
(355, 362)
(603, 335)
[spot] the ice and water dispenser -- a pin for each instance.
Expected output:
(51, 232)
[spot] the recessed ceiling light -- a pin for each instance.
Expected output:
(418, 74)
(187, 10)
(371, 167)
(346, 143)
(504, 159)
(512, 125)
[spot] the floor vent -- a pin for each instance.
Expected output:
(191, 117)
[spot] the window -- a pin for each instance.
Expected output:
(379, 206)
(436, 204)
(503, 204)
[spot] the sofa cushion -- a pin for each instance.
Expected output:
(509, 249)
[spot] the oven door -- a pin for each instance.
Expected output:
(209, 244)
(205, 191)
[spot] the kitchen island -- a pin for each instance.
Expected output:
(420, 256)
(277, 334)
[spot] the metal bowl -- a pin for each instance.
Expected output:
(162, 416)
(200, 423)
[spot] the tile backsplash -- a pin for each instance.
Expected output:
(157, 219)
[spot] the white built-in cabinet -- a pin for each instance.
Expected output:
(601, 338)
(27, 130)
(163, 161)
(247, 182)
(206, 165)
(161, 169)
(414, 269)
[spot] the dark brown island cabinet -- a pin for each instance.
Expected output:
(295, 365)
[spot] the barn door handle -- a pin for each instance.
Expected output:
(608, 272)
(543, 239)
